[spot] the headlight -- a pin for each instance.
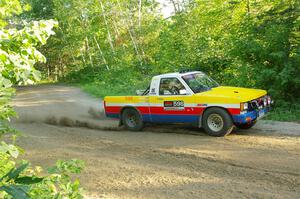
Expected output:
(270, 101)
(244, 106)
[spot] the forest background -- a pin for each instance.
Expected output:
(114, 47)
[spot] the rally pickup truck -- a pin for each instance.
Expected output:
(193, 98)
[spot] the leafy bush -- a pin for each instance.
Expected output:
(24, 182)
(18, 54)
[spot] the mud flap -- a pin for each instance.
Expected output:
(120, 123)
(229, 130)
(200, 121)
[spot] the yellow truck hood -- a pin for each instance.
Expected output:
(240, 94)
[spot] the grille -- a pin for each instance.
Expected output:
(259, 103)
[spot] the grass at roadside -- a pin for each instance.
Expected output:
(125, 83)
(102, 89)
(283, 113)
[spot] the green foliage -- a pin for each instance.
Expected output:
(18, 54)
(71, 166)
(6, 110)
(59, 184)
(8, 185)
(24, 182)
(9, 149)
(9, 8)
(268, 45)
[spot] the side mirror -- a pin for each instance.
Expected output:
(183, 92)
(139, 92)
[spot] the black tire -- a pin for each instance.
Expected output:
(132, 120)
(217, 122)
(246, 126)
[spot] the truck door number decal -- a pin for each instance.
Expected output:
(173, 105)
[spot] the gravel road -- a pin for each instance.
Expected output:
(61, 122)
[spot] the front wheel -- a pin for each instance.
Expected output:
(217, 122)
(132, 120)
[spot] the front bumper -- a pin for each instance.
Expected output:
(250, 116)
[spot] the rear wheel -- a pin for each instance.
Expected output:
(132, 120)
(217, 122)
(246, 126)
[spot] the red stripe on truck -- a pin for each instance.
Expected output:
(163, 111)
(184, 111)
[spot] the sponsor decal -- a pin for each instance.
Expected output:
(152, 91)
(173, 105)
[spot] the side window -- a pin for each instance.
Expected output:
(171, 86)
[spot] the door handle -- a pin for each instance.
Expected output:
(160, 98)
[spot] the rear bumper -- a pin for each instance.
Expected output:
(251, 116)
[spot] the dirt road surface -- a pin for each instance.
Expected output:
(62, 122)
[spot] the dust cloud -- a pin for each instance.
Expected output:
(62, 106)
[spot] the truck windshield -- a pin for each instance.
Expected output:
(199, 82)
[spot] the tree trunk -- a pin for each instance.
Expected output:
(101, 53)
(131, 35)
(107, 28)
(140, 13)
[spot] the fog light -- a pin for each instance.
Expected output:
(265, 102)
(270, 100)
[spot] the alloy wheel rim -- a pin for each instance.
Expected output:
(131, 120)
(215, 122)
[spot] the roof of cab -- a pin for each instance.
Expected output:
(177, 74)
